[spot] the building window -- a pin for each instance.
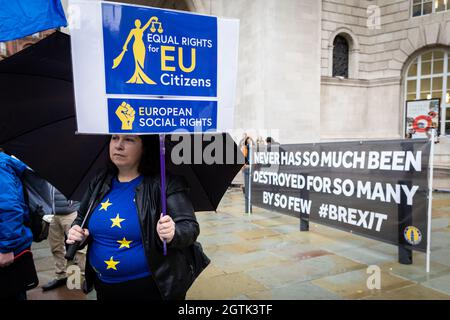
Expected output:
(340, 57)
(428, 77)
(2, 49)
(423, 7)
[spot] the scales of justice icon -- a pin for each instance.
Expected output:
(153, 28)
(139, 76)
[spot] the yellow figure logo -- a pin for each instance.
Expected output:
(412, 235)
(126, 115)
(139, 75)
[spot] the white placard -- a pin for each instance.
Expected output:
(146, 70)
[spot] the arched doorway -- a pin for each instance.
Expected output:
(428, 77)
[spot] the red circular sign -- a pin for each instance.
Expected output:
(420, 118)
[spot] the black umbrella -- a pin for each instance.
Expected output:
(38, 115)
(38, 126)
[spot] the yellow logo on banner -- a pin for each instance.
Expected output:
(137, 33)
(126, 115)
(412, 235)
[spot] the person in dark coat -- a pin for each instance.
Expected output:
(246, 148)
(125, 229)
(65, 212)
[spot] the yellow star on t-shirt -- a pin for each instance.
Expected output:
(124, 243)
(116, 221)
(105, 205)
(111, 264)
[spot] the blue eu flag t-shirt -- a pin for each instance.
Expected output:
(117, 253)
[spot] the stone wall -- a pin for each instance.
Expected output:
(278, 85)
(379, 56)
(382, 51)
(359, 109)
(284, 74)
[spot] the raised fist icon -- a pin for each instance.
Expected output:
(126, 114)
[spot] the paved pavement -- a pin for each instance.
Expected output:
(441, 179)
(265, 256)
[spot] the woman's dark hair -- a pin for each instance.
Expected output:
(149, 164)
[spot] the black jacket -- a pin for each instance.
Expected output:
(62, 205)
(172, 272)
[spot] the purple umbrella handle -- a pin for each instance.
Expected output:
(162, 156)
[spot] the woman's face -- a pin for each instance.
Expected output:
(125, 151)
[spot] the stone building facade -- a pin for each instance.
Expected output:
(278, 83)
(288, 80)
(287, 55)
(386, 40)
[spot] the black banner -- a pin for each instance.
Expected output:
(376, 189)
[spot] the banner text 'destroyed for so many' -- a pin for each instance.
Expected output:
(376, 189)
